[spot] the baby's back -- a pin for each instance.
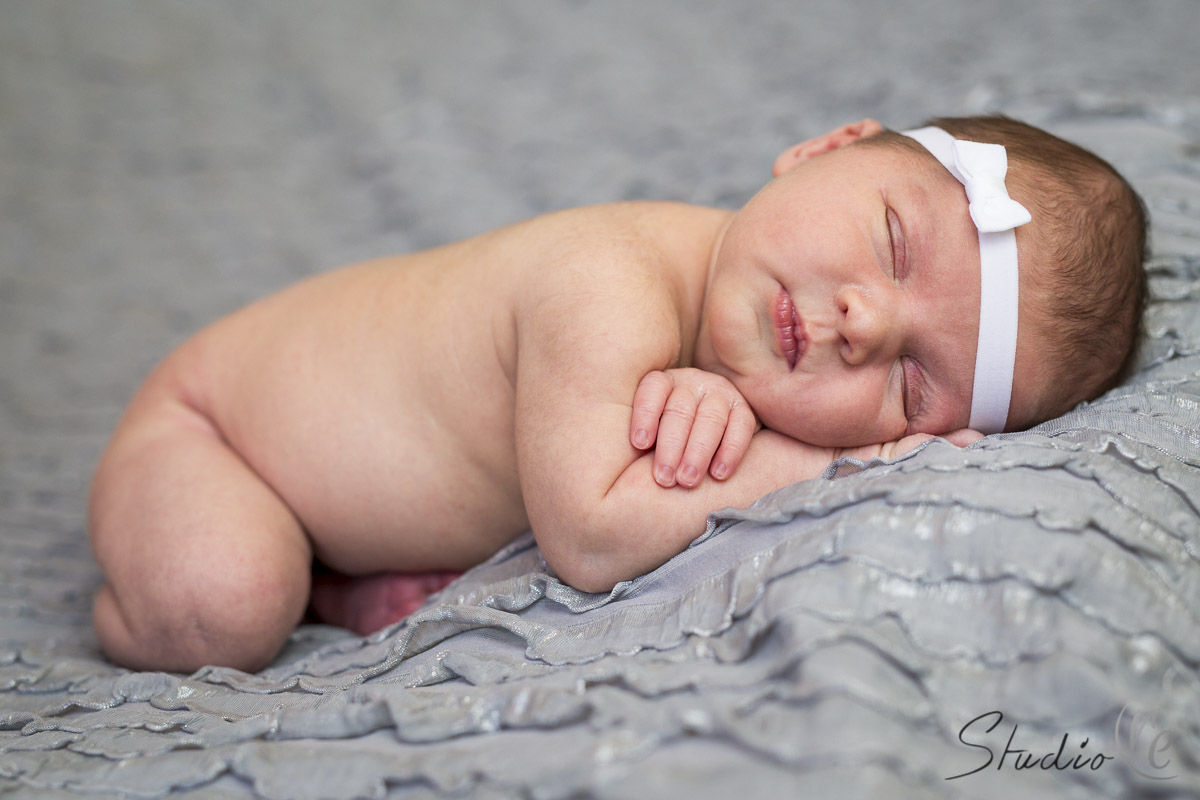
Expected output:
(368, 417)
(377, 402)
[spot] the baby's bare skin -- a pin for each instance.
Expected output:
(416, 413)
(374, 408)
(357, 396)
(378, 400)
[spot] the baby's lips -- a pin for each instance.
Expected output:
(789, 337)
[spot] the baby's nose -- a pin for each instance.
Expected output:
(863, 325)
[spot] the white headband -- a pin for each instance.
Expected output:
(981, 168)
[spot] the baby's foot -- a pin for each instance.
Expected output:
(367, 603)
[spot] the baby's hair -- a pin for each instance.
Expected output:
(1089, 291)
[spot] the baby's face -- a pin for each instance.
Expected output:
(844, 300)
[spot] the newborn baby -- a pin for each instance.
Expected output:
(607, 377)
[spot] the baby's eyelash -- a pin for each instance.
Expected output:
(895, 242)
(910, 386)
(887, 226)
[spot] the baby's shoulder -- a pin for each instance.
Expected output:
(626, 275)
(618, 252)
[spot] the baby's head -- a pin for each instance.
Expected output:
(860, 296)
(1082, 283)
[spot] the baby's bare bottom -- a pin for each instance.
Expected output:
(205, 563)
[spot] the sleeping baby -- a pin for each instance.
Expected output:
(606, 377)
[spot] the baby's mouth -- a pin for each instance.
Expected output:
(788, 333)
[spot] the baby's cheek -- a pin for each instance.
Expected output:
(836, 421)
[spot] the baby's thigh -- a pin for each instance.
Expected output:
(205, 564)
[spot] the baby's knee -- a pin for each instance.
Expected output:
(235, 615)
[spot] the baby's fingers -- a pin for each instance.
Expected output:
(709, 427)
(963, 437)
(674, 430)
(739, 431)
(648, 403)
(890, 450)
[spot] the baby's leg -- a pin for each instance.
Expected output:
(367, 603)
(205, 563)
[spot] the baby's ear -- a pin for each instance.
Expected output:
(838, 137)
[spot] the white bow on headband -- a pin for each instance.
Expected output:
(981, 169)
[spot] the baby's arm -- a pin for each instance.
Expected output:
(691, 411)
(593, 504)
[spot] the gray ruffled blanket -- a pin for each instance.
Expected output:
(870, 634)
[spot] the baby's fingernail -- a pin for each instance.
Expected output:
(641, 438)
(688, 475)
(719, 470)
(664, 475)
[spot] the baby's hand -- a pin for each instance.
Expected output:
(889, 450)
(696, 422)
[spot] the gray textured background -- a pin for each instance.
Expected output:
(163, 163)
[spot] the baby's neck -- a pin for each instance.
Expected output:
(697, 346)
(690, 238)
